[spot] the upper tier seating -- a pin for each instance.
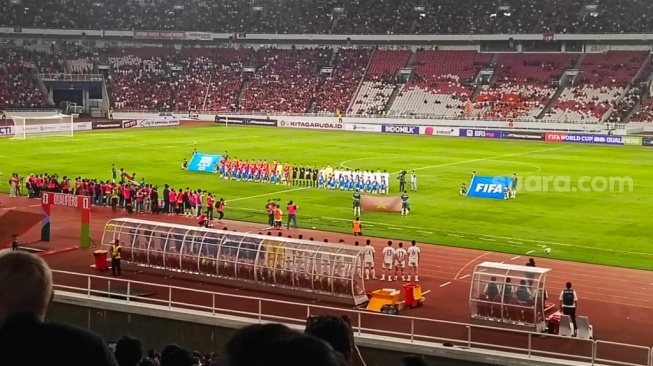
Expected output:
(522, 85)
(442, 83)
(318, 16)
(337, 91)
(285, 80)
(604, 78)
(378, 83)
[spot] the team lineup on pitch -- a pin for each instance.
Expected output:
(438, 213)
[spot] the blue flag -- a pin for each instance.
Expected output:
(203, 163)
(489, 187)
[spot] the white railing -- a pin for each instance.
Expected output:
(406, 329)
(71, 77)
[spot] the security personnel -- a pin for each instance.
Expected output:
(115, 258)
(14, 243)
(569, 303)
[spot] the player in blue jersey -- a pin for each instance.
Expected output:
(384, 186)
(375, 186)
(368, 185)
(332, 182)
(320, 181)
(341, 182)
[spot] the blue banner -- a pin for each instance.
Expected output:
(489, 187)
(647, 142)
(203, 162)
(584, 138)
(485, 134)
(6, 130)
(406, 130)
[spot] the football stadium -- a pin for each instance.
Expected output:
(326, 183)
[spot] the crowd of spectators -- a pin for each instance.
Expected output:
(26, 291)
(622, 108)
(18, 87)
(285, 80)
(644, 113)
(522, 84)
(320, 16)
(338, 90)
(442, 84)
(379, 82)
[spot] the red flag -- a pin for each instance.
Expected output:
(381, 203)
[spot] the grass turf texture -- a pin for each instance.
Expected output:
(605, 228)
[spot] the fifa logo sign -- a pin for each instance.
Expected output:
(489, 188)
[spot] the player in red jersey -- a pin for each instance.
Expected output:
(286, 174)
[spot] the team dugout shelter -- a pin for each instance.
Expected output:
(305, 269)
(509, 296)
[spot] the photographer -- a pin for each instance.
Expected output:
(402, 181)
(269, 207)
(292, 215)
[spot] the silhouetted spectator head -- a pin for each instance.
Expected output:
(25, 285)
(334, 330)
(413, 361)
(276, 344)
(129, 351)
(173, 355)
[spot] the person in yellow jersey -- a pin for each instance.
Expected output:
(115, 258)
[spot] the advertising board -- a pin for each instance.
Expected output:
(106, 125)
(485, 134)
(6, 131)
(583, 138)
(82, 126)
(521, 135)
(246, 121)
(404, 130)
(439, 131)
(151, 122)
(362, 127)
(312, 125)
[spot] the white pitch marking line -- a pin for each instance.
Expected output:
(421, 231)
(470, 262)
(515, 242)
(445, 284)
(530, 251)
(515, 257)
(486, 239)
(268, 194)
(485, 159)
(463, 277)
(456, 235)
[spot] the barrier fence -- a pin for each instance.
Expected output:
(401, 328)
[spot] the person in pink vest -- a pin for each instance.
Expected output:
(292, 215)
(209, 206)
(127, 196)
(219, 207)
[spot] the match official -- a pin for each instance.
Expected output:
(115, 258)
(569, 303)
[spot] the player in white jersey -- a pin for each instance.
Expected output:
(413, 261)
(388, 259)
(400, 261)
(368, 260)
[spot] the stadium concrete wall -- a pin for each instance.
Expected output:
(113, 318)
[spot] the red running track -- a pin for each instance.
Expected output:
(618, 301)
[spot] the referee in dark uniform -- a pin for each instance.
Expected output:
(294, 175)
(569, 303)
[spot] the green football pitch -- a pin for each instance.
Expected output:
(596, 226)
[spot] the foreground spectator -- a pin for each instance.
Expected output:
(129, 351)
(25, 295)
(276, 344)
(338, 333)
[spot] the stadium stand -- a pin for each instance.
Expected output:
(141, 80)
(604, 79)
(379, 81)
(210, 78)
(522, 84)
(442, 85)
(644, 113)
(337, 91)
(285, 80)
(319, 16)
(18, 88)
